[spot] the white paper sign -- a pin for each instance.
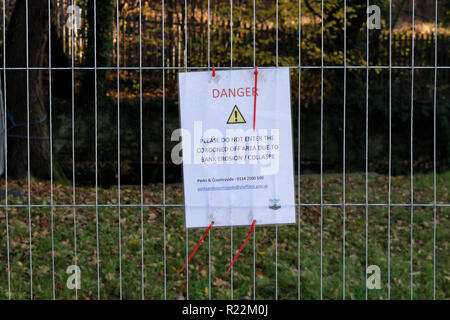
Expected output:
(232, 173)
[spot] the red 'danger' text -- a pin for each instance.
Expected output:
(233, 92)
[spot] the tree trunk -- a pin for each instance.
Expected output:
(104, 45)
(16, 90)
(61, 79)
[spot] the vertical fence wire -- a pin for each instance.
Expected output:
(390, 151)
(51, 146)
(298, 143)
(118, 146)
(186, 69)
(209, 233)
(434, 147)
(28, 151)
(164, 152)
(231, 228)
(367, 143)
(412, 149)
(276, 226)
(5, 139)
(321, 153)
(344, 150)
(254, 229)
(72, 36)
(141, 151)
(96, 152)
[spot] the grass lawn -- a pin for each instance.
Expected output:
(266, 263)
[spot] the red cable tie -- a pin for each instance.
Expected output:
(245, 242)
(198, 245)
(256, 93)
(214, 71)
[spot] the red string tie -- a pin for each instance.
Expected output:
(245, 242)
(198, 245)
(256, 93)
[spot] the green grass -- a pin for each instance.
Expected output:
(265, 251)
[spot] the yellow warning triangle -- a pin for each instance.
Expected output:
(235, 116)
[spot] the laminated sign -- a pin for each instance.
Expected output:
(237, 147)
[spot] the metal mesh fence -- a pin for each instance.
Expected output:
(117, 212)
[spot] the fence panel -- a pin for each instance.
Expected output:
(371, 154)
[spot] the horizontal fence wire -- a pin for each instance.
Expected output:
(224, 68)
(123, 205)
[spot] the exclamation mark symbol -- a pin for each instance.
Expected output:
(235, 116)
